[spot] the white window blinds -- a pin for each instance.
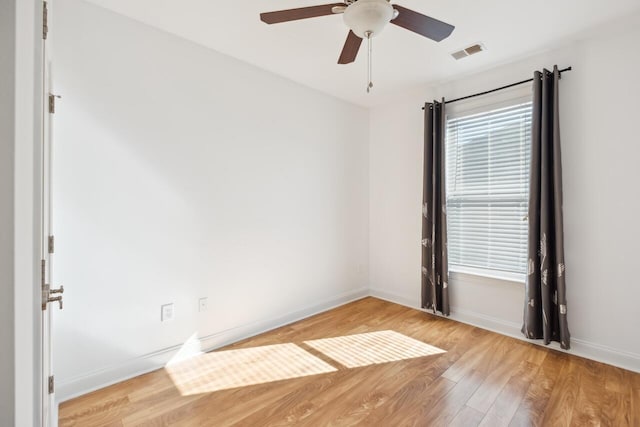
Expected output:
(487, 180)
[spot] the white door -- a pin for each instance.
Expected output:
(51, 294)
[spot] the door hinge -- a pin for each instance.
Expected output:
(52, 103)
(45, 20)
(51, 384)
(51, 244)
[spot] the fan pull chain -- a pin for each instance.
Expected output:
(369, 66)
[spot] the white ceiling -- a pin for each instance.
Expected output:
(307, 51)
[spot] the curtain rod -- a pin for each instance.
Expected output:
(497, 89)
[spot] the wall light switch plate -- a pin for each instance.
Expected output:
(166, 312)
(202, 304)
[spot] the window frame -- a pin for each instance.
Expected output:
(502, 99)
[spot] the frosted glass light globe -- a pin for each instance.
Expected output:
(368, 16)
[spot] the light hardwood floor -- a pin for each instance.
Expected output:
(483, 378)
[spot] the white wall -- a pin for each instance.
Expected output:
(19, 186)
(182, 173)
(599, 106)
(19, 333)
(28, 312)
(7, 138)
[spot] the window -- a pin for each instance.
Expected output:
(487, 180)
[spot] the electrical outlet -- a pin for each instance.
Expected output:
(202, 304)
(166, 312)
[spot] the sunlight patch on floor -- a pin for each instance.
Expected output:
(372, 348)
(220, 370)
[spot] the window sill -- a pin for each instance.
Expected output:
(492, 274)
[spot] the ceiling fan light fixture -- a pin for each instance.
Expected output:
(367, 18)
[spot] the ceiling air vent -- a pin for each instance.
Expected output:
(471, 50)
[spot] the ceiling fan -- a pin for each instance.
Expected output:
(366, 19)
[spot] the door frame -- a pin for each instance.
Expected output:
(49, 414)
(28, 100)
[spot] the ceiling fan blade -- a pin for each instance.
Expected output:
(350, 49)
(299, 13)
(422, 24)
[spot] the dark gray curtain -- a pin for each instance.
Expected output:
(435, 270)
(545, 311)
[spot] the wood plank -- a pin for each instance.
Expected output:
(467, 417)
(533, 406)
(498, 377)
(455, 400)
(471, 359)
(507, 402)
(564, 395)
(592, 394)
(401, 410)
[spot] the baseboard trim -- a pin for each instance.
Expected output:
(91, 381)
(579, 347)
(395, 298)
(95, 380)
